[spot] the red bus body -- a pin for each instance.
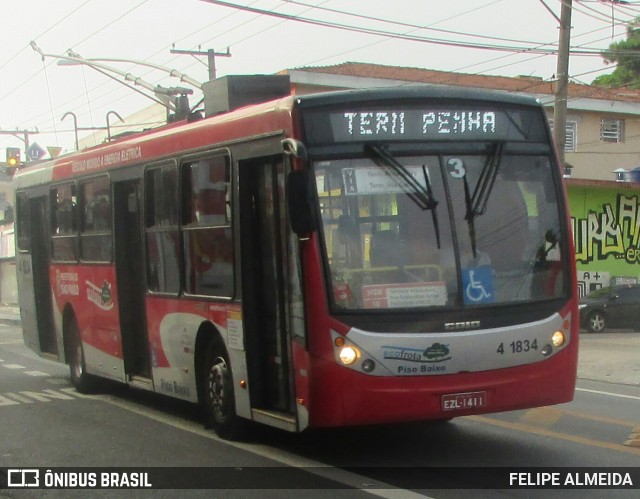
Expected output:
(136, 326)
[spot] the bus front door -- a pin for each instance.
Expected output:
(130, 278)
(41, 334)
(263, 243)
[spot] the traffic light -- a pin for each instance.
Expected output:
(13, 157)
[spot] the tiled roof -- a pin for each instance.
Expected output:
(517, 84)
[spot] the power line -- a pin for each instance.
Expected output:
(400, 36)
(387, 35)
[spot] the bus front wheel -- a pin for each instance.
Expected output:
(218, 395)
(81, 380)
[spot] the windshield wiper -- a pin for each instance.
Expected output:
(421, 195)
(476, 204)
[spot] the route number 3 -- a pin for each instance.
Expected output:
(455, 167)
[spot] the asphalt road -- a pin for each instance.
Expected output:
(43, 422)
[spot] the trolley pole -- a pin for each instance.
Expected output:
(562, 80)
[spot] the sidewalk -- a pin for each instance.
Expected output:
(612, 357)
(10, 315)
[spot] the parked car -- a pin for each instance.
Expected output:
(611, 307)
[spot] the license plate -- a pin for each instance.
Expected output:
(464, 401)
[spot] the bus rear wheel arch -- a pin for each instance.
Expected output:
(217, 396)
(81, 380)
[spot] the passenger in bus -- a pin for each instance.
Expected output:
(346, 256)
(349, 238)
(211, 207)
(101, 213)
(547, 267)
(385, 249)
(65, 213)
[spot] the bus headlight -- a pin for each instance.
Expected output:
(557, 339)
(348, 355)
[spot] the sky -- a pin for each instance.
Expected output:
(36, 91)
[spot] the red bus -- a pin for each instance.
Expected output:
(346, 258)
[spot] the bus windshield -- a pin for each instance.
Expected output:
(456, 230)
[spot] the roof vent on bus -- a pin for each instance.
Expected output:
(232, 92)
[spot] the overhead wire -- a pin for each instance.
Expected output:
(389, 34)
(394, 35)
(106, 82)
(89, 36)
(64, 18)
(377, 42)
(74, 10)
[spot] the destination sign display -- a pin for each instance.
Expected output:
(435, 123)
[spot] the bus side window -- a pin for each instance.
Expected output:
(64, 222)
(163, 237)
(207, 235)
(23, 221)
(65, 209)
(95, 238)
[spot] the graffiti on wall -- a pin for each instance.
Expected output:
(590, 281)
(612, 232)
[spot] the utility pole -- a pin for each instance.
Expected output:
(211, 58)
(562, 80)
(25, 135)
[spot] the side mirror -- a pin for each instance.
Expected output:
(301, 194)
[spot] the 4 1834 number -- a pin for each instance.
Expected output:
(519, 346)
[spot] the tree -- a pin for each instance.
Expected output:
(625, 54)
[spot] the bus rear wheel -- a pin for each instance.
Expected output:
(218, 395)
(81, 380)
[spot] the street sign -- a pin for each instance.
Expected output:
(35, 152)
(54, 151)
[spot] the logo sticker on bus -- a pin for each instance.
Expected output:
(100, 295)
(433, 354)
(67, 283)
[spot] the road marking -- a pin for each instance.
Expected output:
(634, 438)
(554, 434)
(46, 395)
(542, 416)
(599, 419)
(7, 401)
(598, 392)
(11, 342)
(547, 416)
(37, 373)
(362, 483)
(59, 381)
(19, 398)
(13, 366)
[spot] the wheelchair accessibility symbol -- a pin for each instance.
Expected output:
(478, 285)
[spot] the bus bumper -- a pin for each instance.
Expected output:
(344, 397)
